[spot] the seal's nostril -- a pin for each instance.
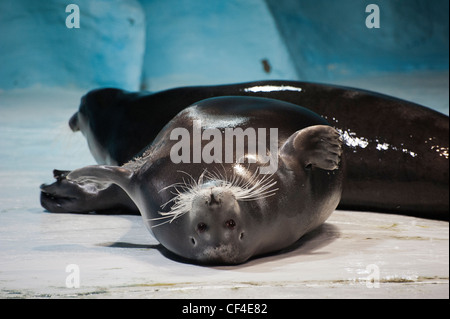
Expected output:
(213, 200)
(193, 241)
(241, 236)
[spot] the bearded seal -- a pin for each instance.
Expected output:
(214, 208)
(396, 160)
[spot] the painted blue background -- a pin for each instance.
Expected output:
(156, 44)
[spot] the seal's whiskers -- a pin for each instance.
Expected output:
(253, 188)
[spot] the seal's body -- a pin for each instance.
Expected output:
(222, 208)
(397, 150)
(396, 160)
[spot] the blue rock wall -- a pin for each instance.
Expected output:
(329, 40)
(156, 44)
(36, 47)
(212, 42)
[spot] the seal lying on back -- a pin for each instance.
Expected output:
(225, 212)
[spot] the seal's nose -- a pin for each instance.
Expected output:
(73, 123)
(213, 201)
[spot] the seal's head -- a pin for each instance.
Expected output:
(217, 228)
(216, 215)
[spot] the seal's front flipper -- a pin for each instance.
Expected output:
(315, 146)
(82, 196)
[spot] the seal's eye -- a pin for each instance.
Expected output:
(201, 227)
(230, 224)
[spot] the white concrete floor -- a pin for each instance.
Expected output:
(353, 255)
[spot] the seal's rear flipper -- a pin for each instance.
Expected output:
(315, 146)
(59, 174)
(102, 175)
(88, 189)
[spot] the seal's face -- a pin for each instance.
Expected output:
(217, 215)
(217, 227)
